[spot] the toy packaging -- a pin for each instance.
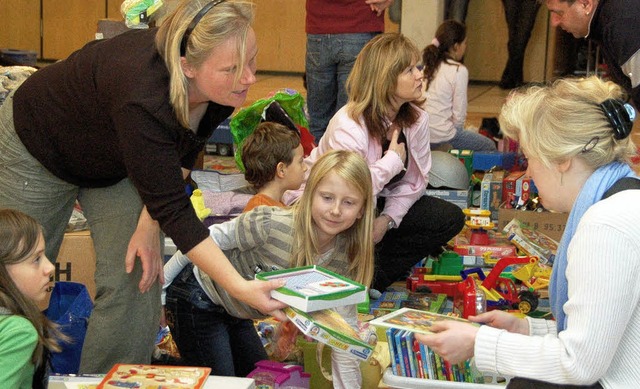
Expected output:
(312, 288)
(277, 375)
(328, 327)
(532, 242)
(154, 376)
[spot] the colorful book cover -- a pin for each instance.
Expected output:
(390, 300)
(406, 353)
(393, 355)
(154, 376)
(426, 361)
(413, 320)
(412, 355)
(398, 343)
(418, 359)
(312, 288)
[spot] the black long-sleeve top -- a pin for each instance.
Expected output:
(104, 114)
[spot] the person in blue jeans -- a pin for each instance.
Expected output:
(336, 32)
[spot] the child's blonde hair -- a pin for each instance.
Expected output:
(351, 167)
(19, 234)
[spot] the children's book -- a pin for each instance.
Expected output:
(393, 356)
(413, 320)
(328, 327)
(398, 343)
(154, 376)
(312, 288)
(390, 300)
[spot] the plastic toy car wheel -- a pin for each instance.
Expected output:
(528, 302)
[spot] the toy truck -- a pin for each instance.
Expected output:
(500, 292)
(476, 292)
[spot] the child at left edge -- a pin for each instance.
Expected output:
(273, 158)
(26, 335)
(330, 226)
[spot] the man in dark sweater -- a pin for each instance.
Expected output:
(613, 24)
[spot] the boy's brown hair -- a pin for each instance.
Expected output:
(269, 144)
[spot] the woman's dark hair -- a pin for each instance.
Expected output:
(448, 34)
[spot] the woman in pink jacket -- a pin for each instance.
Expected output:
(384, 123)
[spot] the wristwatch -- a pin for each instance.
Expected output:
(391, 224)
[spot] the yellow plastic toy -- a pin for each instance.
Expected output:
(197, 200)
(533, 275)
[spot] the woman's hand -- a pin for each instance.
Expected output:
(396, 147)
(378, 6)
(145, 244)
(258, 295)
(380, 227)
(452, 340)
(503, 320)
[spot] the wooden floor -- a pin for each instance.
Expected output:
(484, 100)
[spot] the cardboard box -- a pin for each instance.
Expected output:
(509, 188)
(491, 192)
(77, 260)
(551, 224)
(499, 246)
(460, 198)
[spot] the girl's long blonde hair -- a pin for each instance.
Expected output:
(229, 19)
(351, 167)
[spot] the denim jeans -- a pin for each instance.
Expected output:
(328, 62)
(468, 140)
(206, 335)
(124, 322)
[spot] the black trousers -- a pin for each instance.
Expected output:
(429, 225)
(525, 383)
(521, 17)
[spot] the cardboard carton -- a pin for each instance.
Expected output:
(77, 260)
(491, 192)
(551, 224)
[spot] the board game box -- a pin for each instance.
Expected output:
(312, 288)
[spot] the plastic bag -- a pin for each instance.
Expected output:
(247, 119)
(137, 13)
(70, 307)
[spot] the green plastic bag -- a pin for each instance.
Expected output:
(247, 119)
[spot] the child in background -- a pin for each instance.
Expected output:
(273, 159)
(446, 82)
(330, 226)
(26, 335)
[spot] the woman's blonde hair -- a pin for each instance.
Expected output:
(351, 167)
(562, 120)
(226, 20)
(19, 234)
(372, 83)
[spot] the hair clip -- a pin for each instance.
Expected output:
(620, 115)
(591, 144)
